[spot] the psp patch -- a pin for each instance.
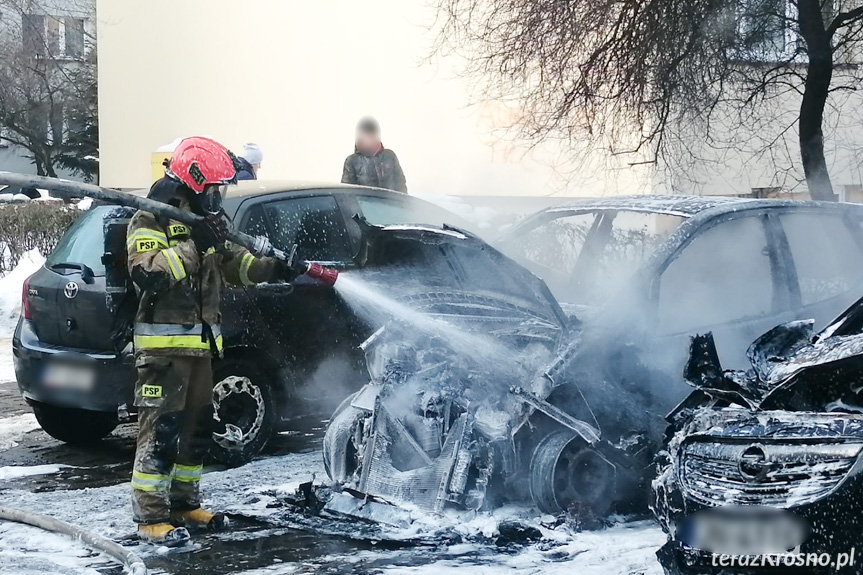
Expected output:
(177, 230)
(146, 245)
(151, 391)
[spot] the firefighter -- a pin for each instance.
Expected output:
(178, 272)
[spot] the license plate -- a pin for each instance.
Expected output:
(744, 530)
(71, 377)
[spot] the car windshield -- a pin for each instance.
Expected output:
(83, 243)
(586, 256)
(387, 211)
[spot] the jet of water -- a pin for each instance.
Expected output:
(376, 307)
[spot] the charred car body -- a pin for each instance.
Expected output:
(439, 422)
(578, 416)
(787, 434)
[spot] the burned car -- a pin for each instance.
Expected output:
(652, 270)
(785, 434)
(457, 408)
(574, 420)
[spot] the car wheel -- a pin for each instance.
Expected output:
(243, 397)
(75, 426)
(566, 472)
(339, 451)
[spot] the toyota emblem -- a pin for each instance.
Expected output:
(71, 290)
(753, 464)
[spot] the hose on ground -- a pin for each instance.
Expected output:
(133, 563)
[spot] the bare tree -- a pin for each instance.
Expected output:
(644, 77)
(48, 96)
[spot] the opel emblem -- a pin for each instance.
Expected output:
(753, 464)
(71, 290)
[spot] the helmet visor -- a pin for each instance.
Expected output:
(211, 198)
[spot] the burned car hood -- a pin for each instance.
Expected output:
(413, 259)
(791, 369)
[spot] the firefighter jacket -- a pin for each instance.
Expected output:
(180, 289)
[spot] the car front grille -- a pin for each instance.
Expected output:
(774, 474)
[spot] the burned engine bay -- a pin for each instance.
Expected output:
(482, 392)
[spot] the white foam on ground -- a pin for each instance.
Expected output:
(12, 429)
(28, 550)
(251, 491)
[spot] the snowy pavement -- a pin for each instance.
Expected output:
(270, 538)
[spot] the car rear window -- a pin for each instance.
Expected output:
(83, 243)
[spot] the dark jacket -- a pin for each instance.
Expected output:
(379, 171)
(244, 170)
(179, 288)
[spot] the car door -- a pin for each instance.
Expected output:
(312, 329)
(827, 253)
(730, 279)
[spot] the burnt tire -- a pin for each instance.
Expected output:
(338, 449)
(243, 396)
(565, 472)
(74, 426)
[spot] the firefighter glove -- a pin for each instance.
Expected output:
(211, 232)
(284, 271)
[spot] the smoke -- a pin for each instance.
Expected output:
(643, 289)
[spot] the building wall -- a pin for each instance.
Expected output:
(295, 77)
(765, 153)
(14, 158)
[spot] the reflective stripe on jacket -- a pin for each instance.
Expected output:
(180, 289)
(155, 336)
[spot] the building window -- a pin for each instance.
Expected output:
(53, 37)
(33, 34)
(761, 28)
(74, 31)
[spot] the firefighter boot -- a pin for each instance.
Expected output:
(163, 534)
(200, 518)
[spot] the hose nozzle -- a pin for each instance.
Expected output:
(319, 272)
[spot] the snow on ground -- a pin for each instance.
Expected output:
(26, 550)
(18, 471)
(7, 367)
(10, 290)
(252, 491)
(107, 510)
(12, 429)
(626, 549)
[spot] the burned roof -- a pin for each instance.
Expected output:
(683, 206)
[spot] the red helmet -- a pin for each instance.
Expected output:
(199, 162)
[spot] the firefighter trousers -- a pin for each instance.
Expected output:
(174, 396)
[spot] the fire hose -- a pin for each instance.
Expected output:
(133, 563)
(258, 246)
